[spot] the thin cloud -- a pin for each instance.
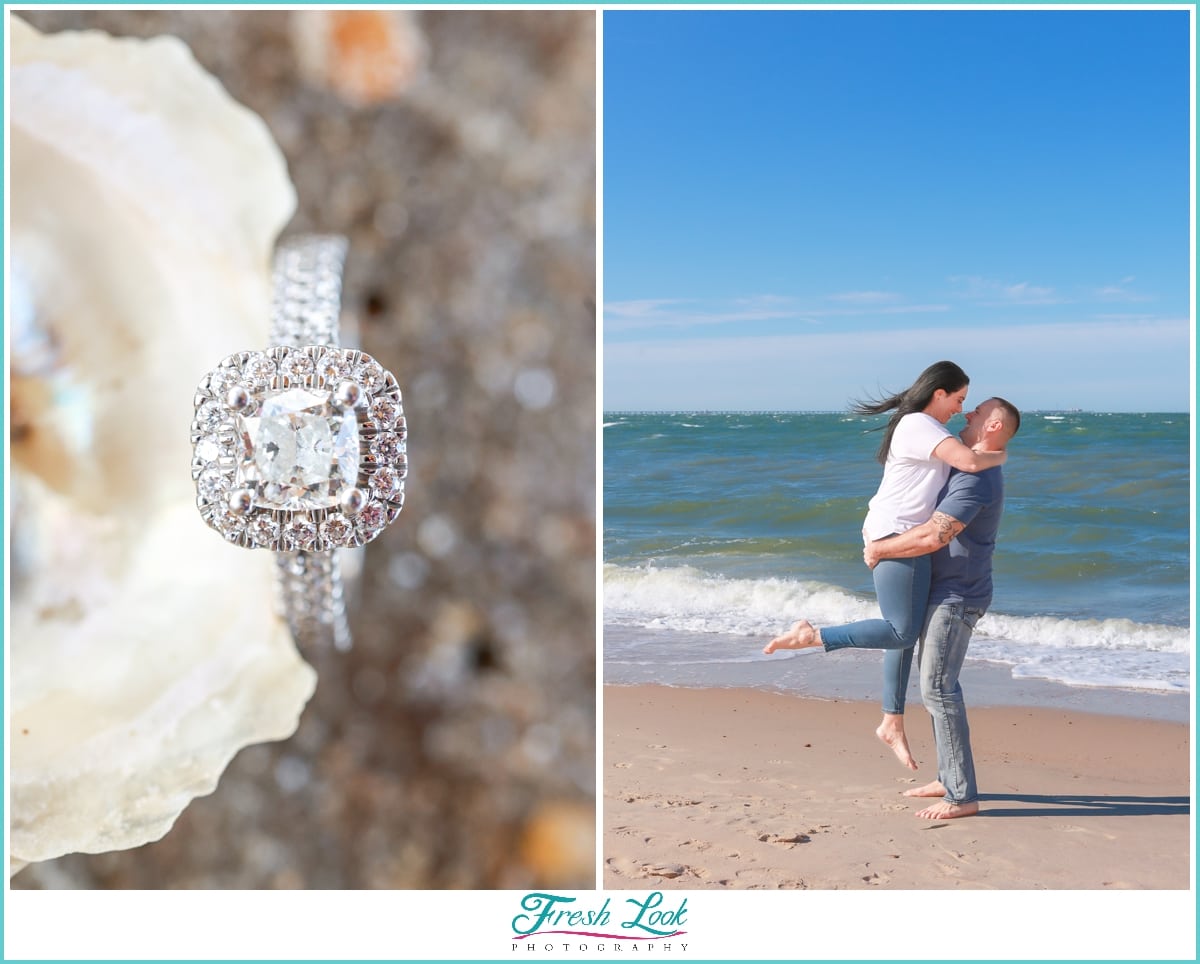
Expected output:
(1120, 292)
(1125, 318)
(762, 301)
(907, 309)
(682, 313)
(646, 307)
(875, 310)
(1027, 294)
(991, 293)
(866, 297)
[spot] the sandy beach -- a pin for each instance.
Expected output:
(747, 789)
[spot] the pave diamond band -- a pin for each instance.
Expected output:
(302, 448)
(308, 291)
(310, 596)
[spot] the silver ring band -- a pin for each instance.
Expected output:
(310, 596)
(307, 283)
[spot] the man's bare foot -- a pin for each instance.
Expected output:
(948, 811)
(891, 731)
(934, 789)
(803, 635)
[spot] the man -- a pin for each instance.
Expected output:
(961, 534)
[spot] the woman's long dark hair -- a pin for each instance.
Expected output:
(944, 375)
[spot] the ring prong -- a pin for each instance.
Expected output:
(240, 501)
(352, 501)
(237, 398)
(348, 395)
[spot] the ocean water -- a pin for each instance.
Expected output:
(722, 527)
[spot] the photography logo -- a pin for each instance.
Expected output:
(550, 922)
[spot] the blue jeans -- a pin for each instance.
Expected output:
(902, 588)
(943, 649)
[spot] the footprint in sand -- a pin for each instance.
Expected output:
(621, 867)
(953, 869)
(756, 878)
(623, 766)
(717, 778)
(1074, 828)
(670, 871)
(784, 838)
(874, 804)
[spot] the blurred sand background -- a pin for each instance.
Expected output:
(454, 746)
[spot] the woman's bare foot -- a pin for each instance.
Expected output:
(948, 811)
(934, 789)
(802, 635)
(891, 731)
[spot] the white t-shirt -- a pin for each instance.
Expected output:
(912, 477)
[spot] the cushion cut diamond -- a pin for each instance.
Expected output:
(299, 450)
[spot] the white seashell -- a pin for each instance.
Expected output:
(144, 651)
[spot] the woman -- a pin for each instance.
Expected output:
(917, 453)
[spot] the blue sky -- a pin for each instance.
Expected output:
(804, 206)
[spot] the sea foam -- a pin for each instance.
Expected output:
(1082, 652)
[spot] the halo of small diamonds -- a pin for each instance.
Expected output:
(368, 441)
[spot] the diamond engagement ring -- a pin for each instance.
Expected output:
(301, 448)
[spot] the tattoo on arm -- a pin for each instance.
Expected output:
(947, 527)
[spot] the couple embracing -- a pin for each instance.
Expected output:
(928, 538)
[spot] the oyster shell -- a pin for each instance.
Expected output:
(144, 652)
